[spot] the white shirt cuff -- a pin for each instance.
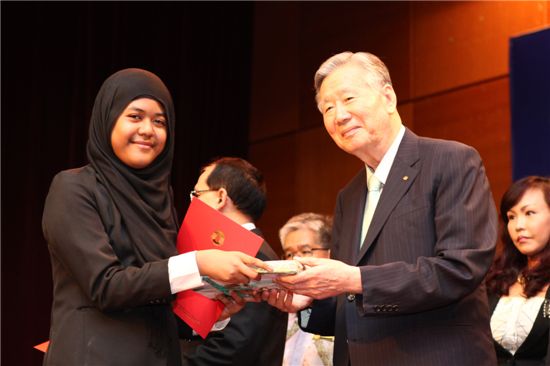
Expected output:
(220, 325)
(183, 272)
(217, 326)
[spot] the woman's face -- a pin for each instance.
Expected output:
(139, 134)
(529, 223)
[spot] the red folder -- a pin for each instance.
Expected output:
(206, 228)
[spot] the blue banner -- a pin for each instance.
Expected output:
(530, 103)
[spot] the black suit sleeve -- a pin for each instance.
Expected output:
(249, 332)
(77, 239)
(254, 336)
(319, 318)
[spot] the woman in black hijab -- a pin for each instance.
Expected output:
(111, 230)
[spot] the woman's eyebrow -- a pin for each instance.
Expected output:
(142, 111)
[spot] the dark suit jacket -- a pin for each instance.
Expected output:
(534, 350)
(103, 313)
(255, 336)
(430, 243)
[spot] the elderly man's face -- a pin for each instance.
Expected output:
(304, 243)
(355, 115)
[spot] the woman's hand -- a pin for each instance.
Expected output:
(229, 267)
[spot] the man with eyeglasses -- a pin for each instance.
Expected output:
(306, 235)
(255, 335)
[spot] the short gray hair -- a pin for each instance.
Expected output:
(376, 72)
(319, 224)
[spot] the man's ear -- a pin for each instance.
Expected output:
(222, 198)
(391, 99)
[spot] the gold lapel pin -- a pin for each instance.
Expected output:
(406, 178)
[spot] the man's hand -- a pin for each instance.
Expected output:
(233, 304)
(323, 278)
(230, 267)
(285, 300)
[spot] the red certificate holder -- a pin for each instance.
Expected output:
(206, 228)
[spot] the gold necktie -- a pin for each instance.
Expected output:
(374, 190)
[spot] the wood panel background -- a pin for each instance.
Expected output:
(448, 62)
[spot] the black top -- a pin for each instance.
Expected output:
(534, 350)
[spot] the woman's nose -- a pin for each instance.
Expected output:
(146, 127)
(520, 223)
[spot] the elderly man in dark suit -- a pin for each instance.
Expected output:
(414, 234)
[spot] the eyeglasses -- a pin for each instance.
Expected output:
(197, 193)
(302, 253)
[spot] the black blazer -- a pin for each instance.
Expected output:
(103, 313)
(534, 350)
(255, 335)
(430, 243)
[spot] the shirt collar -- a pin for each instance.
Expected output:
(249, 225)
(383, 169)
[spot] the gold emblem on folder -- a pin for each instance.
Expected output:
(217, 237)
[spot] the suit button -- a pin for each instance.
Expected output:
(351, 297)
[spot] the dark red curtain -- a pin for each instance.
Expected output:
(54, 58)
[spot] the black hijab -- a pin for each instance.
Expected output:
(136, 205)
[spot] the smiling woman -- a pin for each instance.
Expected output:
(111, 230)
(139, 134)
(100, 39)
(110, 233)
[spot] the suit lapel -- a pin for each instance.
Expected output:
(402, 175)
(354, 204)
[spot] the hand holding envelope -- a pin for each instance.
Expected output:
(211, 288)
(230, 267)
